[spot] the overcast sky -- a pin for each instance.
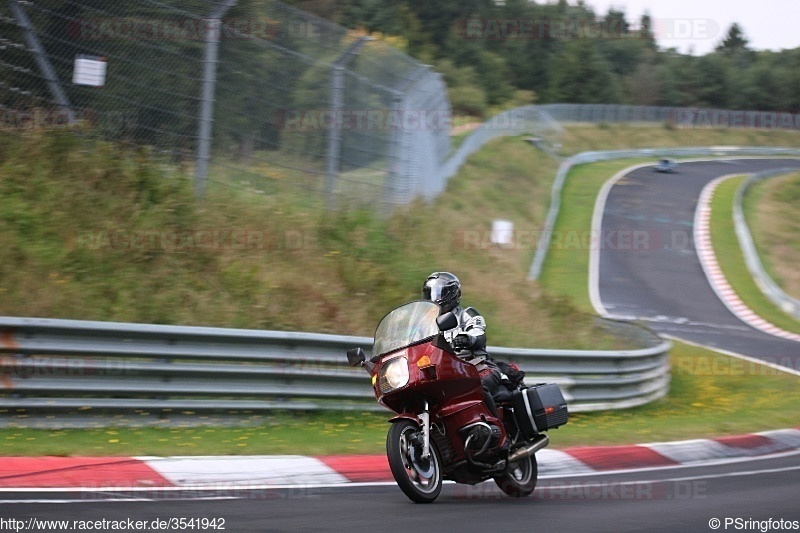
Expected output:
(697, 26)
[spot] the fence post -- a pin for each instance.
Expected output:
(334, 134)
(212, 34)
(40, 56)
(336, 104)
(403, 177)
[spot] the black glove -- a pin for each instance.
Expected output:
(463, 342)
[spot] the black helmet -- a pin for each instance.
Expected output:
(444, 289)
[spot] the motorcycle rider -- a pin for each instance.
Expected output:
(468, 339)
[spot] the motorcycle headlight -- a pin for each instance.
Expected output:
(394, 374)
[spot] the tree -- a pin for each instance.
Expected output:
(734, 47)
(646, 32)
(583, 76)
(734, 41)
(644, 87)
(617, 45)
(615, 23)
(712, 77)
(466, 95)
(766, 85)
(677, 89)
(790, 78)
(494, 77)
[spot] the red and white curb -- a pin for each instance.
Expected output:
(93, 473)
(708, 260)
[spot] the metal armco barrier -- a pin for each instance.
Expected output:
(54, 366)
(767, 285)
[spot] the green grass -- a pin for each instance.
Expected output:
(356, 263)
(581, 138)
(732, 262)
(278, 433)
(566, 269)
(770, 207)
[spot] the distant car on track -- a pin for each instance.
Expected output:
(666, 165)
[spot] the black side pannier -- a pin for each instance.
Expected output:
(539, 408)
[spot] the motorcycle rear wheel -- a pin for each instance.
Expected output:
(520, 477)
(420, 479)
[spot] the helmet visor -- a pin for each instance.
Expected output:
(433, 291)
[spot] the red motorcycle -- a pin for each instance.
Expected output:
(443, 429)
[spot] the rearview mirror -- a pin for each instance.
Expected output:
(446, 321)
(356, 357)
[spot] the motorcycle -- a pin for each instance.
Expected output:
(443, 429)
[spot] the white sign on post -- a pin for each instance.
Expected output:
(502, 233)
(89, 70)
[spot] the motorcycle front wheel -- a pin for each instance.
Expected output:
(520, 477)
(419, 478)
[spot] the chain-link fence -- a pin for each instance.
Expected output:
(250, 93)
(258, 95)
(545, 124)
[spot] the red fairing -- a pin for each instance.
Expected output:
(451, 387)
(442, 377)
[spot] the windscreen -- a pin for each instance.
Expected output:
(407, 325)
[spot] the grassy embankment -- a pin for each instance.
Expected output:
(771, 212)
(60, 193)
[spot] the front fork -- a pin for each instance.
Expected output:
(425, 419)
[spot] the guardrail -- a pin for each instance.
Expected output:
(770, 289)
(593, 157)
(59, 366)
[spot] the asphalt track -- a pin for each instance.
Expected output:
(751, 491)
(648, 266)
